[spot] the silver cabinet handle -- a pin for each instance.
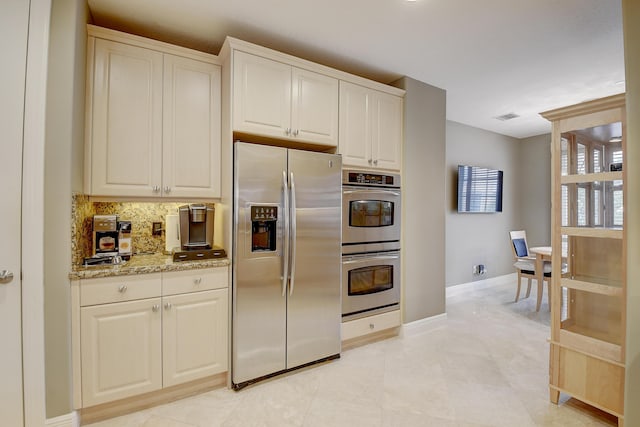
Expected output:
(156, 188)
(167, 306)
(197, 281)
(167, 189)
(370, 161)
(6, 276)
(287, 131)
(122, 289)
(375, 162)
(155, 308)
(295, 132)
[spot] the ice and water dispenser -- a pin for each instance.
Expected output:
(264, 220)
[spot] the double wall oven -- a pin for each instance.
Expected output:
(371, 211)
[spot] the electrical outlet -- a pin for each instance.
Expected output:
(479, 269)
(156, 228)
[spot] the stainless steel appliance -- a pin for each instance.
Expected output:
(105, 235)
(286, 263)
(195, 234)
(196, 226)
(371, 211)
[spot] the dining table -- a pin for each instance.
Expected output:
(542, 253)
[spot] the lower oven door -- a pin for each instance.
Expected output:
(370, 284)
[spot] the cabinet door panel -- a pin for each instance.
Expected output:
(387, 133)
(191, 128)
(121, 345)
(126, 122)
(261, 96)
(194, 336)
(314, 115)
(355, 125)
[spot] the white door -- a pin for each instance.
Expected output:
(126, 121)
(314, 114)
(261, 96)
(121, 350)
(194, 336)
(355, 125)
(14, 18)
(191, 128)
(386, 140)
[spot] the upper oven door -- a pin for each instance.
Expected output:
(370, 215)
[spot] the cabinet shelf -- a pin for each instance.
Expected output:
(586, 341)
(614, 288)
(599, 232)
(590, 177)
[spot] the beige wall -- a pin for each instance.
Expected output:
(631, 18)
(473, 239)
(535, 189)
(63, 155)
(423, 196)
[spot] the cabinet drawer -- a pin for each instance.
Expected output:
(370, 325)
(121, 288)
(180, 282)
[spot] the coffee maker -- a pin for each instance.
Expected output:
(105, 235)
(196, 234)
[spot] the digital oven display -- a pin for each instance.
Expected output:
(370, 178)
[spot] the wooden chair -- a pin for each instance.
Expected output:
(525, 263)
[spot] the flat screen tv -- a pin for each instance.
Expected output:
(479, 189)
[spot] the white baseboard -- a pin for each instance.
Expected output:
(422, 325)
(67, 420)
(479, 284)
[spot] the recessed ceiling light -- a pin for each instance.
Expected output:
(506, 117)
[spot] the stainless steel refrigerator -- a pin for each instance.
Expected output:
(286, 260)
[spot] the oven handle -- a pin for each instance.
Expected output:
(393, 193)
(292, 274)
(285, 236)
(360, 258)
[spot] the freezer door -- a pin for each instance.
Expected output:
(314, 304)
(259, 306)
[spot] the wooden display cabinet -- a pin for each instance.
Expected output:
(588, 300)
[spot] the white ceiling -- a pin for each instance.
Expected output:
(493, 57)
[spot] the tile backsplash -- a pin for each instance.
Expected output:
(141, 215)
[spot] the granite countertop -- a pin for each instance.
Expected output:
(141, 264)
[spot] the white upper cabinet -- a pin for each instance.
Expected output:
(370, 128)
(125, 125)
(191, 128)
(277, 100)
(153, 122)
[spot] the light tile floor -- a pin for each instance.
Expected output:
(485, 364)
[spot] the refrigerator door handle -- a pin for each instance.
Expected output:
(292, 211)
(285, 234)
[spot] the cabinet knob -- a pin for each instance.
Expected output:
(167, 306)
(197, 281)
(295, 132)
(167, 189)
(122, 289)
(371, 326)
(287, 131)
(6, 276)
(156, 188)
(375, 162)
(155, 308)
(370, 161)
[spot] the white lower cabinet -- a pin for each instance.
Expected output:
(121, 350)
(134, 340)
(193, 328)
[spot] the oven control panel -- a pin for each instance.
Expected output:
(354, 177)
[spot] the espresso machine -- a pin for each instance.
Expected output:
(196, 234)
